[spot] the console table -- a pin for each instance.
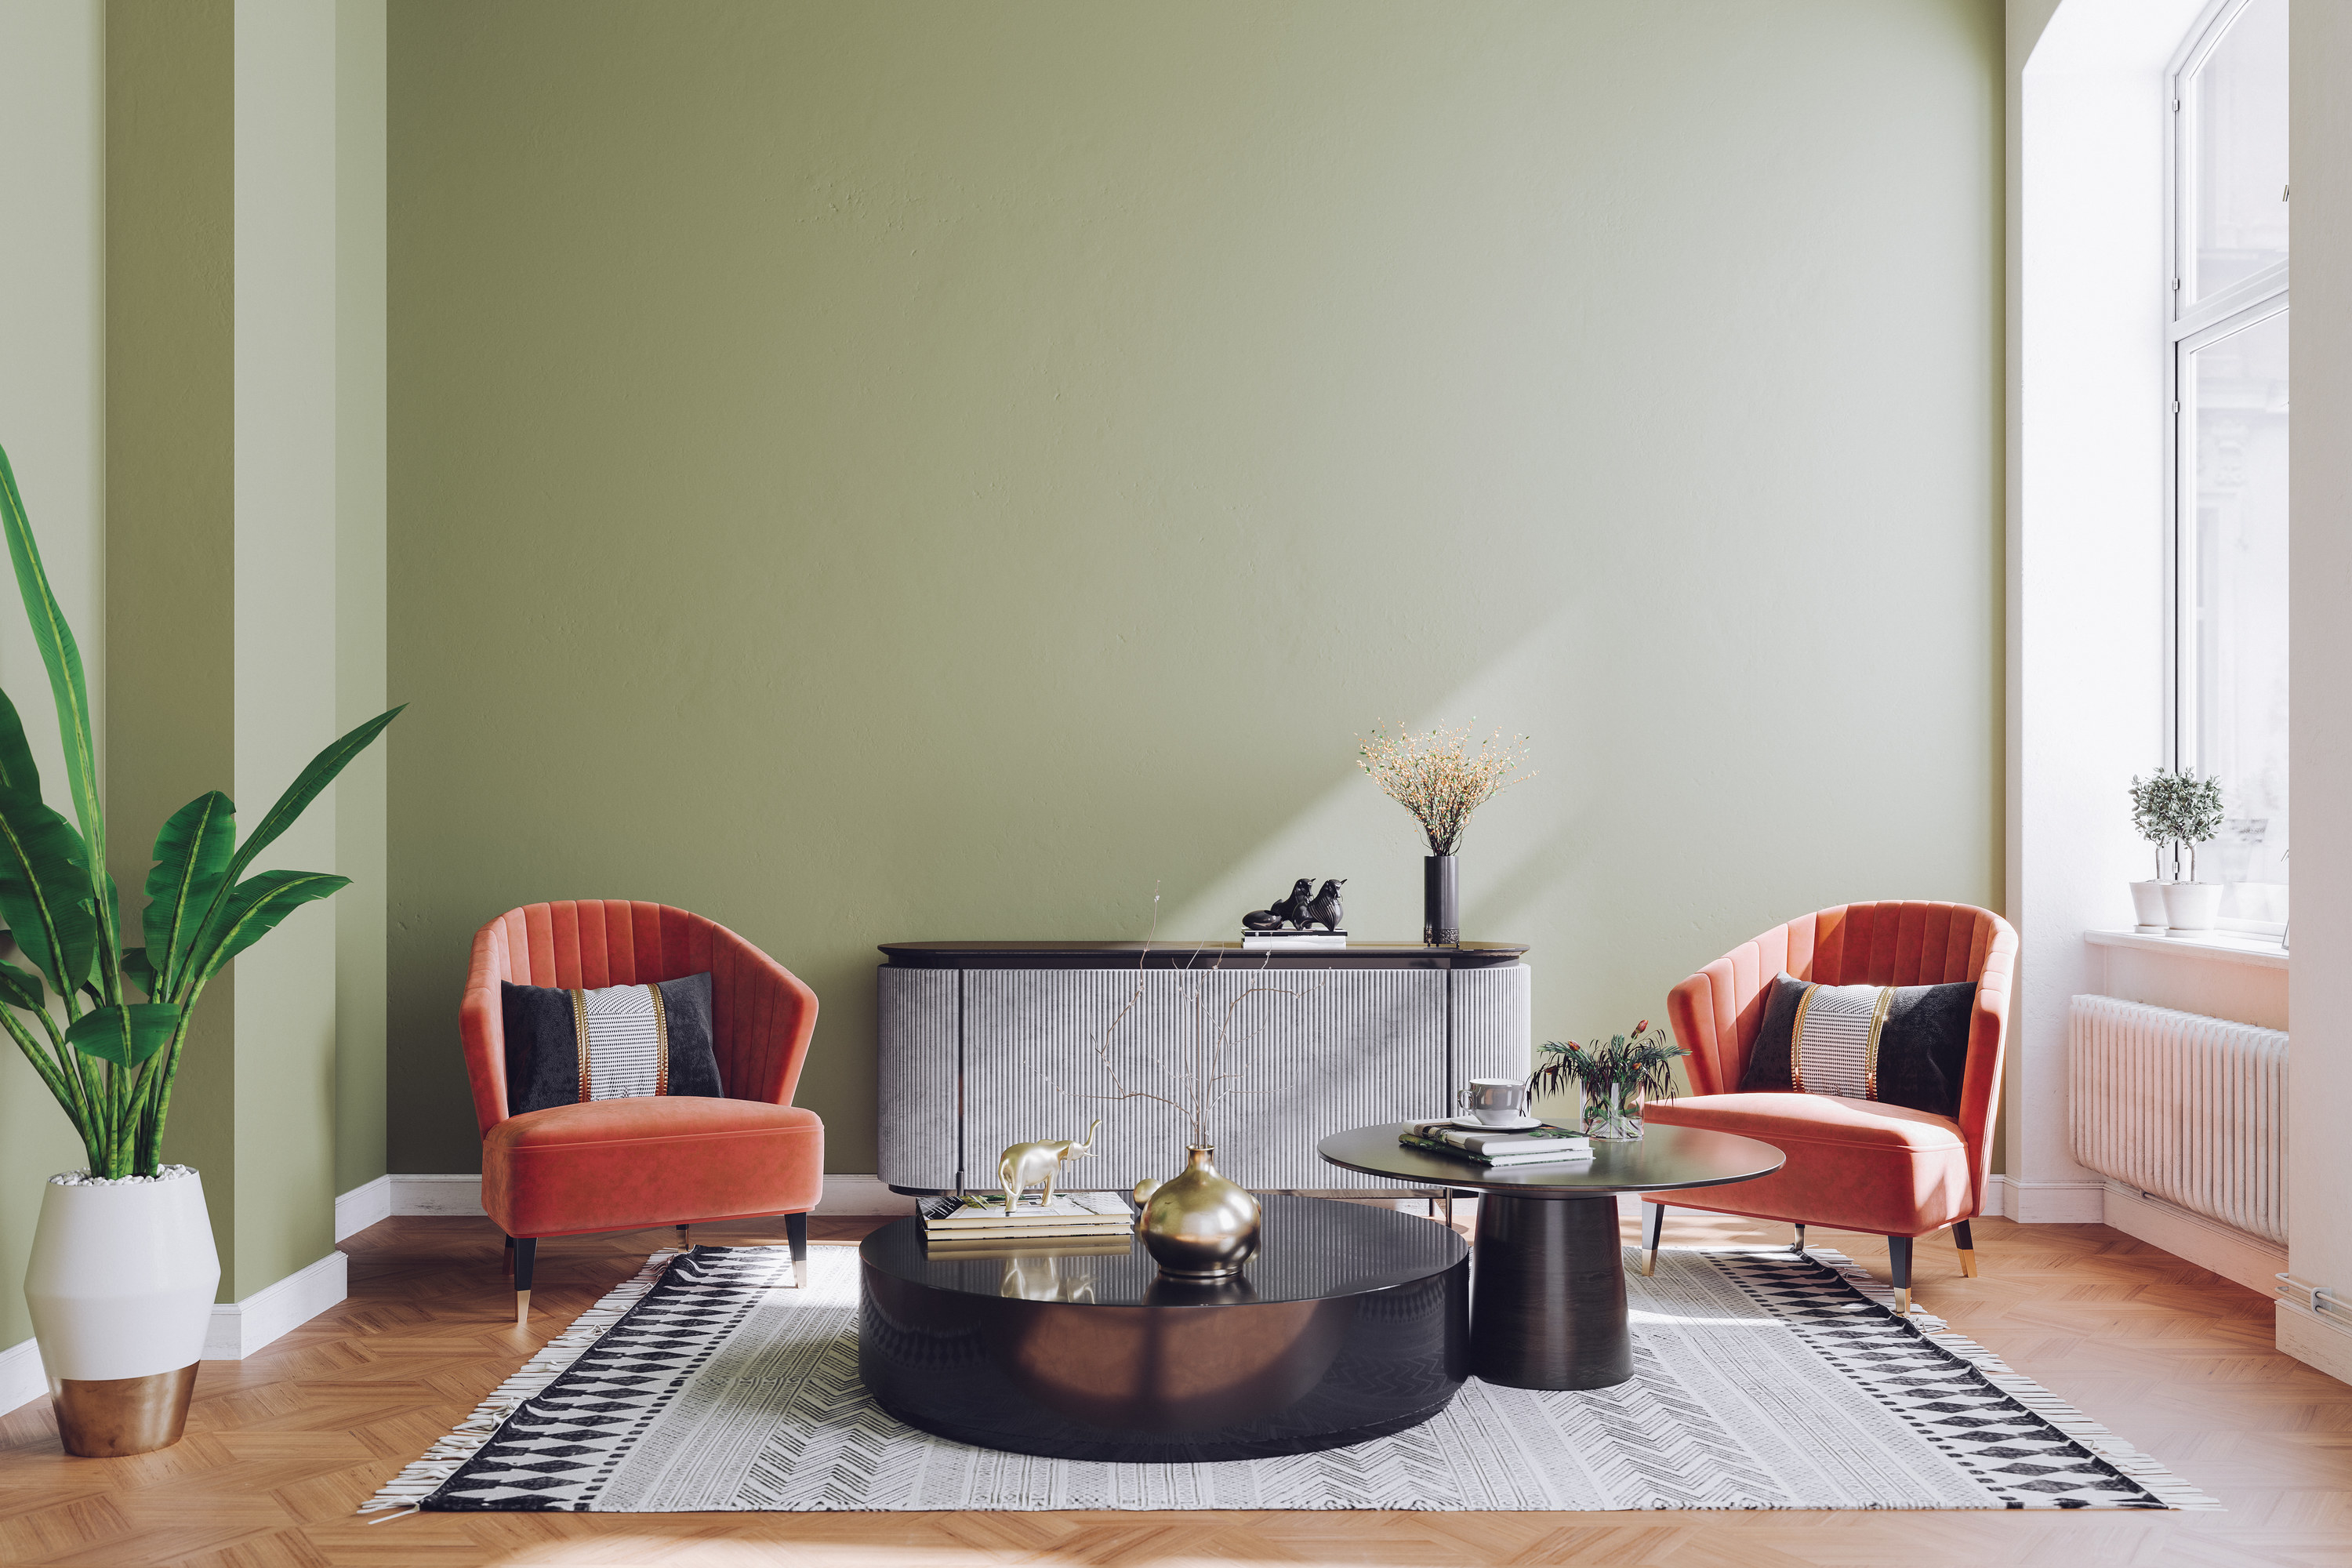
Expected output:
(985, 1043)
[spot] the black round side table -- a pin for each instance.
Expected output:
(1350, 1322)
(1548, 1304)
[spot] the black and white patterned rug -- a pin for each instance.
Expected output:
(1761, 1380)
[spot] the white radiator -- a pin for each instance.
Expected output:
(2187, 1108)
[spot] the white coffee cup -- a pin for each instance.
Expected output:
(1497, 1101)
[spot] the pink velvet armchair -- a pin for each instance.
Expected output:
(1853, 1164)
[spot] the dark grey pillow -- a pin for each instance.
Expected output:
(632, 1039)
(1899, 1045)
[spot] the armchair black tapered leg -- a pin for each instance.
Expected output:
(506, 1258)
(1798, 1246)
(1653, 1230)
(685, 1243)
(1898, 1263)
(526, 1252)
(796, 1233)
(1968, 1246)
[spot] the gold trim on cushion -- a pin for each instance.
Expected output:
(1796, 1041)
(661, 1041)
(579, 1028)
(1870, 1049)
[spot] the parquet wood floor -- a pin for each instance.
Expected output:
(283, 1446)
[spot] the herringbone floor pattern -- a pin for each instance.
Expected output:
(282, 1447)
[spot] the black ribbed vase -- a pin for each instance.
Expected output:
(1441, 902)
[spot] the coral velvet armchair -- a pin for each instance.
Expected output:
(628, 1163)
(1853, 1164)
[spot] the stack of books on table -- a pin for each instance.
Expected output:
(1540, 1145)
(979, 1222)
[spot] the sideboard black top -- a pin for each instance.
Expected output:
(1193, 956)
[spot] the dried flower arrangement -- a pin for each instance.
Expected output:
(2170, 809)
(1439, 777)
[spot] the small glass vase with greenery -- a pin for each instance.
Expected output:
(107, 1055)
(1614, 1079)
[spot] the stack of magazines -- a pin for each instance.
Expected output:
(979, 1222)
(1543, 1144)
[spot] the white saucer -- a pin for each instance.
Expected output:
(1474, 1125)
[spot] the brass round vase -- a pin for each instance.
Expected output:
(1197, 1225)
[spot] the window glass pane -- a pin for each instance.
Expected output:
(2236, 156)
(2233, 525)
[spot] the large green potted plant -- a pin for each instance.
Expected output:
(122, 1272)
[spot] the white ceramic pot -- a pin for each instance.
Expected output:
(2147, 906)
(2189, 907)
(120, 1284)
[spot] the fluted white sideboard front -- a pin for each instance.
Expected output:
(988, 1044)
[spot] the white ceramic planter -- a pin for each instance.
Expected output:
(2147, 906)
(2189, 907)
(120, 1284)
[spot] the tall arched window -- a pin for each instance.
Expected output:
(2228, 561)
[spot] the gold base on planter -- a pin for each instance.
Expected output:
(110, 1417)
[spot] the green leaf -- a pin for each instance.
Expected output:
(192, 858)
(18, 989)
(16, 769)
(253, 910)
(125, 1036)
(136, 969)
(305, 789)
(63, 659)
(44, 890)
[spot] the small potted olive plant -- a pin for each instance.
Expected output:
(2173, 810)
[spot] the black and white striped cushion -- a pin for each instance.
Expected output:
(616, 1042)
(622, 1041)
(1900, 1045)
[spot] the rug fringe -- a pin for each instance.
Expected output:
(412, 1486)
(2160, 1482)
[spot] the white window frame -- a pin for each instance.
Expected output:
(2188, 326)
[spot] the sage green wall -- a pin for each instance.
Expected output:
(360, 842)
(52, 396)
(171, 495)
(895, 470)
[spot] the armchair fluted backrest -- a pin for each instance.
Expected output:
(762, 1016)
(1717, 1013)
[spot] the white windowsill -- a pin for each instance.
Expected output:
(2222, 946)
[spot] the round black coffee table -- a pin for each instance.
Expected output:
(1549, 1308)
(1350, 1322)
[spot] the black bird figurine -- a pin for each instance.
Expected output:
(1327, 911)
(1290, 912)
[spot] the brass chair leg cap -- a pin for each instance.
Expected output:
(1902, 1301)
(1967, 1263)
(1650, 1261)
(522, 1307)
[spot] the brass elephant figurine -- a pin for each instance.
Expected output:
(1024, 1165)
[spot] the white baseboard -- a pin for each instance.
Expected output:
(244, 1327)
(462, 1195)
(862, 1194)
(2047, 1202)
(2322, 1340)
(2248, 1260)
(361, 1208)
(22, 1381)
(435, 1195)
